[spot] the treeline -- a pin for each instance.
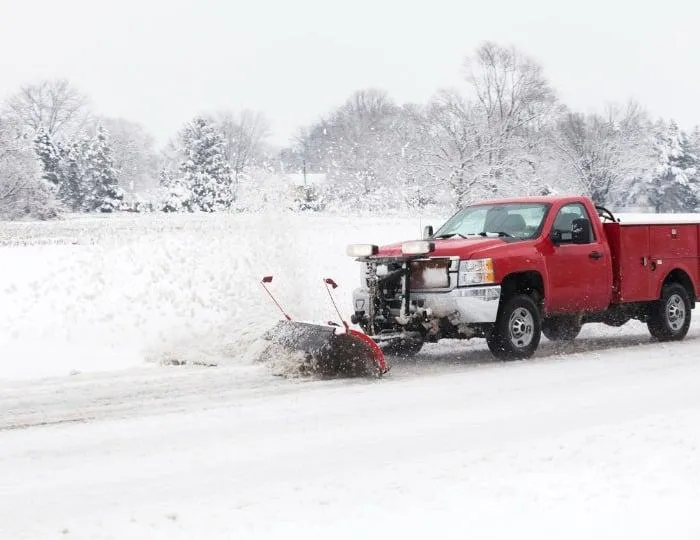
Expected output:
(504, 132)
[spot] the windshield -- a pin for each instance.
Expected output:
(516, 220)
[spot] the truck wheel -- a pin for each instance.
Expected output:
(518, 329)
(669, 319)
(403, 348)
(561, 328)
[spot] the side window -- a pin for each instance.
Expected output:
(564, 221)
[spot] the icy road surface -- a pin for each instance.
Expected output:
(596, 440)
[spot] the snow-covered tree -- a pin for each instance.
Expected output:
(134, 157)
(164, 178)
(672, 186)
(410, 179)
(205, 182)
(363, 147)
(80, 170)
(244, 134)
(56, 106)
(694, 140)
(603, 157)
(49, 156)
(23, 191)
(514, 105)
(179, 197)
(488, 140)
(73, 191)
(453, 156)
(103, 193)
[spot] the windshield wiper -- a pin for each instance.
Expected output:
(449, 235)
(499, 233)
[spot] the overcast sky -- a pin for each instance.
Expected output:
(161, 62)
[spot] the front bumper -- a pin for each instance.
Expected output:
(464, 305)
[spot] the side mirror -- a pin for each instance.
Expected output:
(581, 231)
(555, 237)
(427, 232)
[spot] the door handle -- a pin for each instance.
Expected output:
(595, 255)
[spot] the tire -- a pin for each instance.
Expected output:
(669, 318)
(404, 348)
(518, 329)
(562, 328)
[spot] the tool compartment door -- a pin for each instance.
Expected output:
(633, 264)
(672, 246)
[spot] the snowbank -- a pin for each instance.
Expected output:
(102, 293)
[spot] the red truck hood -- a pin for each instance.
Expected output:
(464, 248)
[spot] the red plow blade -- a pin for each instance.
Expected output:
(329, 351)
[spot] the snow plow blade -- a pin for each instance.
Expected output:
(328, 350)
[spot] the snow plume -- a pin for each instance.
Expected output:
(111, 291)
(279, 360)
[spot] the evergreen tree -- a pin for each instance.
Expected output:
(102, 189)
(673, 184)
(23, 191)
(164, 179)
(206, 184)
(692, 146)
(49, 157)
(73, 191)
(179, 197)
(694, 140)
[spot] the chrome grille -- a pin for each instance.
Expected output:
(430, 274)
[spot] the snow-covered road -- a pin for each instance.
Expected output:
(600, 439)
(98, 439)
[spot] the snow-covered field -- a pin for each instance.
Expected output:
(99, 438)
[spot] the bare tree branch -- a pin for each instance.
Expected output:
(244, 134)
(54, 105)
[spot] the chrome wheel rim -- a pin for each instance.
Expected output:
(521, 328)
(675, 312)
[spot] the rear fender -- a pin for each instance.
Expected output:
(679, 274)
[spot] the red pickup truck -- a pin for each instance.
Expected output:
(509, 270)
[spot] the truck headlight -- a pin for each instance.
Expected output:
(476, 272)
(361, 250)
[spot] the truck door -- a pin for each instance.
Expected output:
(580, 275)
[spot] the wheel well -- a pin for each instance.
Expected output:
(524, 283)
(679, 276)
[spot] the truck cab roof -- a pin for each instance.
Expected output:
(537, 199)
